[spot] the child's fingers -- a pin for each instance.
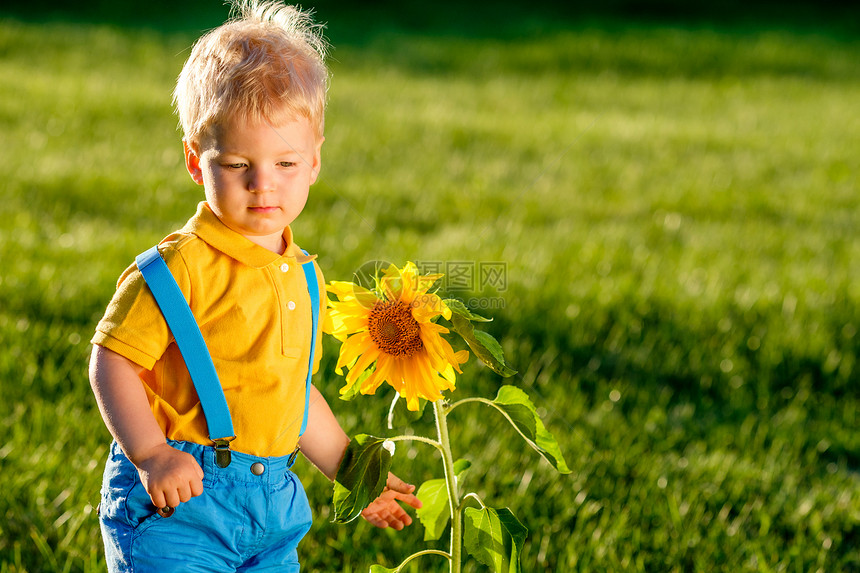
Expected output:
(374, 519)
(407, 498)
(386, 512)
(172, 498)
(411, 500)
(196, 488)
(385, 518)
(395, 483)
(186, 493)
(399, 519)
(157, 498)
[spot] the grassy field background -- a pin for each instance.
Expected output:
(673, 192)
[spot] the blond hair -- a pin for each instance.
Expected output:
(265, 64)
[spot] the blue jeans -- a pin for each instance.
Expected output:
(241, 522)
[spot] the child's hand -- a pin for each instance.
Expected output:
(384, 511)
(170, 476)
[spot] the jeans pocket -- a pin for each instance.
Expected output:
(123, 497)
(140, 510)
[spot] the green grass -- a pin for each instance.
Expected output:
(677, 207)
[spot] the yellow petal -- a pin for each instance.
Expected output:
(352, 348)
(449, 375)
(342, 325)
(327, 324)
(440, 350)
(362, 364)
(426, 378)
(425, 282)
(426, 307)
(375, 380)
(446, 312)
(342, 289)
(344, 318)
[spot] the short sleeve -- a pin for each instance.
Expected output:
(318, 351)
(133, 325)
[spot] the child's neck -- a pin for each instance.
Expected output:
(275, 244)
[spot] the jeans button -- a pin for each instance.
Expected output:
(257, 468)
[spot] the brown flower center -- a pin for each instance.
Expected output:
(393, 329)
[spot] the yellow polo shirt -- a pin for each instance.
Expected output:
(253, 308)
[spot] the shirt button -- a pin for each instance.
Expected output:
(285, 267)
(291, 305)
(257, 468)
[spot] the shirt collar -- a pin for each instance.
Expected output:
(207, 226)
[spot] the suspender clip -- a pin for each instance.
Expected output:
(222, 451)
(292, 458)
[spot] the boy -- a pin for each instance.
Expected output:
(250, 100)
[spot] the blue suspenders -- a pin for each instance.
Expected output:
(188, 338)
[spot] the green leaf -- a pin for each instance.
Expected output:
(355, 389)
(436, 511)
(495, 538)
(519, 408)
(361, 477)
(483, 345)
(461, 470)
(460, 466)
(492, 345)
(381, 569)
(457, 307)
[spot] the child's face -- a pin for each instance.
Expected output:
(257, 176)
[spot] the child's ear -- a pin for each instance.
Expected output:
(316, 163)
(192, 162)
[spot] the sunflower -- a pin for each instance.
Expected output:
(392, 328)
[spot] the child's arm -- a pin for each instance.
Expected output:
(324, 443)
(169, 475)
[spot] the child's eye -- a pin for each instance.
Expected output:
(286, 164)
(235, 165)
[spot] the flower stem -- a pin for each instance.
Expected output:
(416, 438)
(468, 400)
(451, 482)
(421, 553)
(476, 498)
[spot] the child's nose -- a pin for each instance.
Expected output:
(261, 181)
